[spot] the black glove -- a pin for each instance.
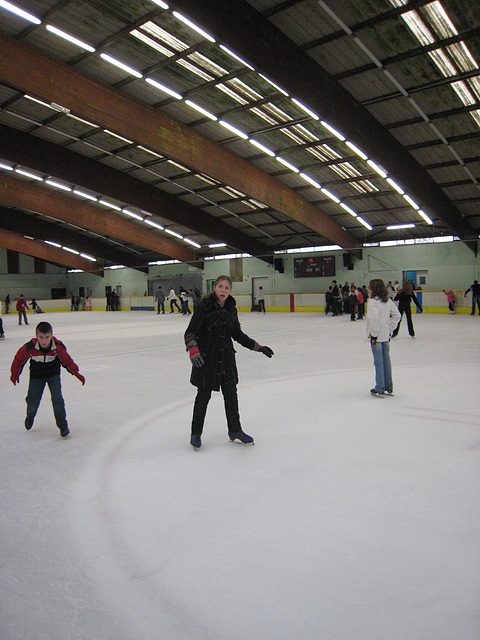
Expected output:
(373, 341)
(266, 351)
(194, 353)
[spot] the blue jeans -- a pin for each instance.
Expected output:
(35, 392)
(383, 367)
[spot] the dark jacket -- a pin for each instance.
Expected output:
(405, 299)
(213, 328)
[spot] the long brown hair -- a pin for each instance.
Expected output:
(407, 286)
(378, 289)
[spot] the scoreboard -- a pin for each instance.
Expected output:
(321, 266)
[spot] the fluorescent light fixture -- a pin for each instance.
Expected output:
(163, 88)
(193, 26)
(376, 168)
(393, 184)
(311, 181)
(6, 167)
(217, 245)
(22, 172)
(201, 110)
(306, 109)
(82, 194)
(350, 211)
(44, 104)
(87, 257)
(116, 266)
(179, 166)
(149, 151)
(109, 204)
(53, 244)
(154, 224)
(162, 5)
(70, 38)
(233, 129)
(288, 165)
(365, 223)
(89, 124)
(330, 195)
(132, 214)
(115, 135)
(443, 239)
(120, 65)
(332, 130)
(173, 233)
(19, 12)
(52, 183)
(194, 244)
(234, 55)
(356, 150)
(77, 253)
(410, 201)
(394, 227)
(425, 217)
(275, 86)
(262, 148)
(75, 271)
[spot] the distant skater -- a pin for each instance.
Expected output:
(404, 298)
(208, 340)
(172, 297)
(46, 354)
(382, 318)
(261, 300)
(451, 300)
(475, 289)
(22, 307)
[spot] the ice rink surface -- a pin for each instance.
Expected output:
(352, 517)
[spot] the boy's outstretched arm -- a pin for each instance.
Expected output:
(18, 363)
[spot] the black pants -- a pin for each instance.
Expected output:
(230, 400)
(408, 313)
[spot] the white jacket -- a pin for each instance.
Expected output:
(382, 319)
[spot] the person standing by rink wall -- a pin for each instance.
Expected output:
(208, 340)
(382, 318)
(475, 289)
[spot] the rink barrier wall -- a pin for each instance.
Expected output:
(432, 302)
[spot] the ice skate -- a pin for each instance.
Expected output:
(28, 423)
(242, 437)
(64, 431)
(377, 394)
(196, 441)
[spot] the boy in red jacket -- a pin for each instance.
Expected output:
(46, 353)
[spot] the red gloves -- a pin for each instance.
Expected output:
(14, 379)
(80, 377)
(194, 353)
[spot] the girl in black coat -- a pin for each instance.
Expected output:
(404, 298)
(208, 339)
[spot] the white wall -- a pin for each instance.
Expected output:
(449, 265)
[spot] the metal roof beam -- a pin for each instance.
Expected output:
(37, 227)
(38, 249)
(34, 198)
(38, 74)
(239, 26)
(49, 158)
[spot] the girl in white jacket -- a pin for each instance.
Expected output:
(383, 317)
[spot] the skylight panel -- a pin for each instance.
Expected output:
(463, 91)
(207, 64)
(418, 28)
(443, 62)
(475, 86)
(462, 56)
(151, 43)
(198, 72)
(307, 135)
(279, 113)
(233, 94)
(165, 37)
(439, 19)
(245, 89)
(261, 114)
